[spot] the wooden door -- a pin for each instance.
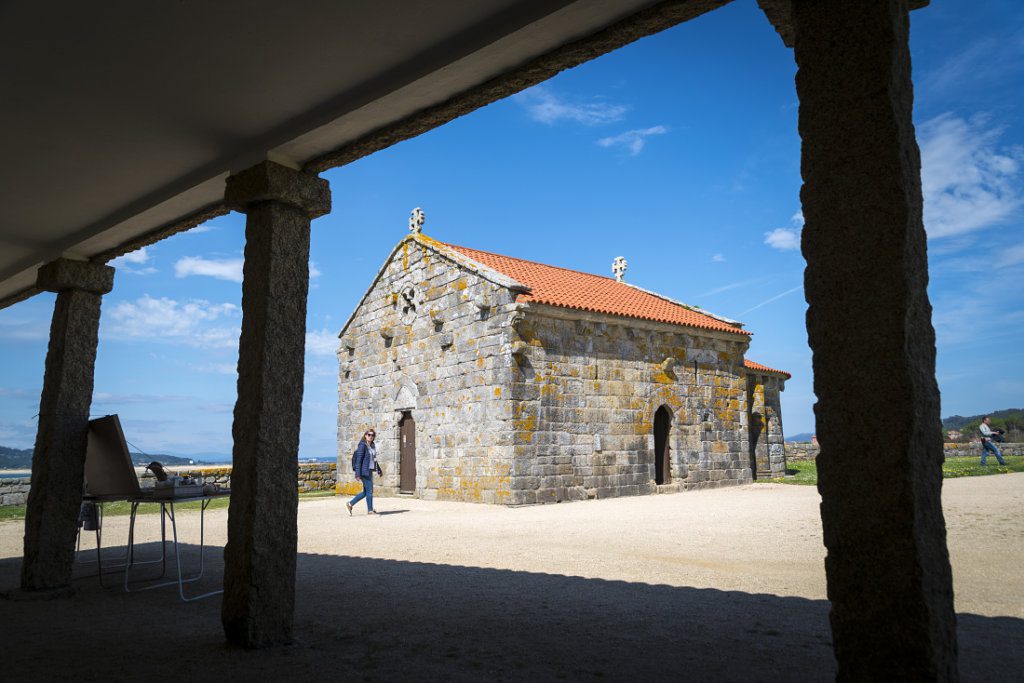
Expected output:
(407, 453)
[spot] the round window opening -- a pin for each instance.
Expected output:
(408, 304)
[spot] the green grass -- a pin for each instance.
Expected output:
(124, 508)
(971, 467)
(802, 472)
(805, 472)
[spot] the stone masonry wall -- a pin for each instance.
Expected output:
(773, 387)
(520, 403)
(312, 477)
(585, 394)
(427, 338)
(764, 414)
(14, 491)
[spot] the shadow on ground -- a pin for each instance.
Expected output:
(384, 619)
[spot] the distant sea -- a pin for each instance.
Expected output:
(17, 474)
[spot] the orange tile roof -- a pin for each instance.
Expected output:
(586, 292)
(764, 368)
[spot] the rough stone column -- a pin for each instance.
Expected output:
(757, 426)
(259, 573)
(773, 387)
(58, 466)
(869, 327)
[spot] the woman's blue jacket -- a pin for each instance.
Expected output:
(361, 460)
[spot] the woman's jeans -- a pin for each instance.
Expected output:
(987, 446)
(366, 493)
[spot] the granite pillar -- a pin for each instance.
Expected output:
(259, 573)
(869, 327)
(757, 426)
(58, 464)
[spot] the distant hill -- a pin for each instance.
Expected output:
(958, 421)
(15, 458)
(1011, 421)
(21, 459)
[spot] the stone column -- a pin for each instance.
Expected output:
(773, 386)
(58, 466)
(259, 573)
(757, 427)
(869, 327)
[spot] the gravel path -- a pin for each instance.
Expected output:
(726, 584)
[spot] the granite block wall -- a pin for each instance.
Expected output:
(585, 391)
(427, 339)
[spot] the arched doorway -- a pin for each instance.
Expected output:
(407, 453)
(662, 428)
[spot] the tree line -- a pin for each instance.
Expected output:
(1011, 421)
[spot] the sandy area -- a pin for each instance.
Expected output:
(726, 585)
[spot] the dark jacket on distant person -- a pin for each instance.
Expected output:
(362, 461)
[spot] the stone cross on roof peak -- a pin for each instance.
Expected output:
(619, 267)
(416, 220)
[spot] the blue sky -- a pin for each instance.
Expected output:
(679, 152)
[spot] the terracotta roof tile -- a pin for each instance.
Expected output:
(764, 368)
(587, 292)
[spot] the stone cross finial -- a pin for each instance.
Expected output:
(416, 220)
(619, 267)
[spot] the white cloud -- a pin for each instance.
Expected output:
(216, 368)
(988, 62)
(718, 258)
(127, 262)
(172, 321)
(222, 269)
(1008, 257)
(771, 299)
(25, 329)
(544, 106)
(137, 257)
(322, 343)
(783, 239)
(633, 140)
(732, 285)
(968, 183)
(976, 312)
(786, 239)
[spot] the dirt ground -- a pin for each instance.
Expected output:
(722, 585)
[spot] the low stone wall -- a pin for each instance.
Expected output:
(800, 451)
(14, 491)
(973, 448)
(807, 451)
(312, 477)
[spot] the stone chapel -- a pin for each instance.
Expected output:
(498, 380)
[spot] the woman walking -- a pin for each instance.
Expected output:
(364, 463)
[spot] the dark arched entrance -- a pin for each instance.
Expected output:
(662, 427)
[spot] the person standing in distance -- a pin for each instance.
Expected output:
(364, 464)
(986, 441)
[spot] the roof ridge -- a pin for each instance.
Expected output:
(696, 309)
(538, 263)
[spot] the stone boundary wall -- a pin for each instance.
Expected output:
(312, 477)
(973, 448)
(14, 491)
(800, 451)
(806, 451)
